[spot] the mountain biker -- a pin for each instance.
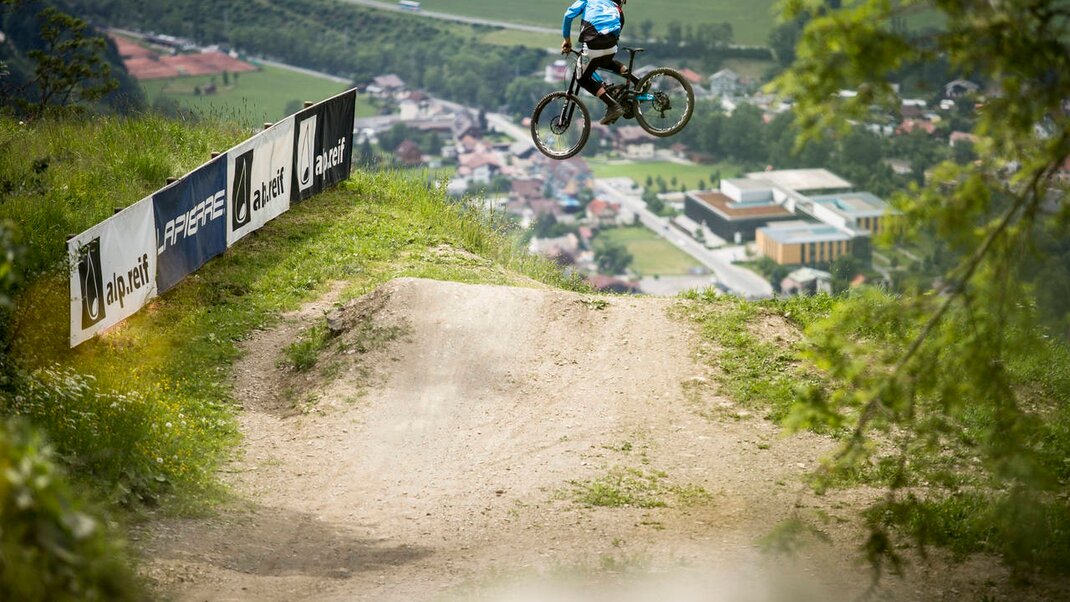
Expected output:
(603, 21)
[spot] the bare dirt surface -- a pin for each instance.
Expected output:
(449, 464)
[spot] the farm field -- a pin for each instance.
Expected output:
(509, 37)
(653, 255)
(688, 176)
(751, 21)
(253, 97)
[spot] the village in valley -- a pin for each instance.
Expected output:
(752, 234)
(634, 213)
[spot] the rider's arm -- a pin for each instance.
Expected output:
(573, 11)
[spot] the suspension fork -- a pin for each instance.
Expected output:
(569, 109)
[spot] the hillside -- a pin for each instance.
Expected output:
(461, 422)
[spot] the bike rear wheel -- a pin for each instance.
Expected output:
(664, 102)
(560, 125)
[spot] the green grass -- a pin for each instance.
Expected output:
(758, 375)
(508, 37)
(61, 178)
(251, 98)
(652, 254)
(751, 21)
(689, 176)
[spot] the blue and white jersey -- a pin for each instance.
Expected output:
(602, 21)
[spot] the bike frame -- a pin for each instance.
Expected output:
(574, 88)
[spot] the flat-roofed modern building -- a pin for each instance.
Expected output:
(859, 211)
(803, 180)
(807, 243)
(731, 219)
(797, 216)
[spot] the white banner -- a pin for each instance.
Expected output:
(113, 270)
(259, 180)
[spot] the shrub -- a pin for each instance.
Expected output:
(51, 548)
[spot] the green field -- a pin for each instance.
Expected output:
(251, 98)
(689, 176)
(510, 37)
(751, 21)
(653, 255)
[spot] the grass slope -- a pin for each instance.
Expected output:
(251, 98)
(145, 410)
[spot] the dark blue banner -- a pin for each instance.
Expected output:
(323, 145)
(191, 223)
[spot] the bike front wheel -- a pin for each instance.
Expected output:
(560, 125)
(664, 102)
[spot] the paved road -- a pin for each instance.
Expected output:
(456, 18)
(741, 281)
(506, 126)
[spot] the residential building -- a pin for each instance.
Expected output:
(416, 106)
(910, 125)
(692, 76)
(725, 83)
(634, 143)
(602, 213)
(528, 189)
(386, 85)
(960, 87)
(409, 153)
(806, 280)
(958, 138)
(556, 72)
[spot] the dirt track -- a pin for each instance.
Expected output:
(451, 469)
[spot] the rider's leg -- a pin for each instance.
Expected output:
(621, 69)
(613, 109)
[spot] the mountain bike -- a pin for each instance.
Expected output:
(662, 103)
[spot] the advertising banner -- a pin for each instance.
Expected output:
(191, 223)
(259, 180)
(113, 270)
(323, 145)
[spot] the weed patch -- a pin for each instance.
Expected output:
(633, 488)
(302, 354)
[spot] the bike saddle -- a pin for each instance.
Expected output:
(635, 50)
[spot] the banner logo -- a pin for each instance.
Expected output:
(306, 154)
(92, 281)
(243, 197)
(186, 225)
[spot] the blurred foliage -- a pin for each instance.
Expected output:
(51, 547)
(963, 387)
(58, 62)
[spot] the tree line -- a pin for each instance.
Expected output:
(55, 59)
(338, 38)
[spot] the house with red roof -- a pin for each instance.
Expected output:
(602, 213)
